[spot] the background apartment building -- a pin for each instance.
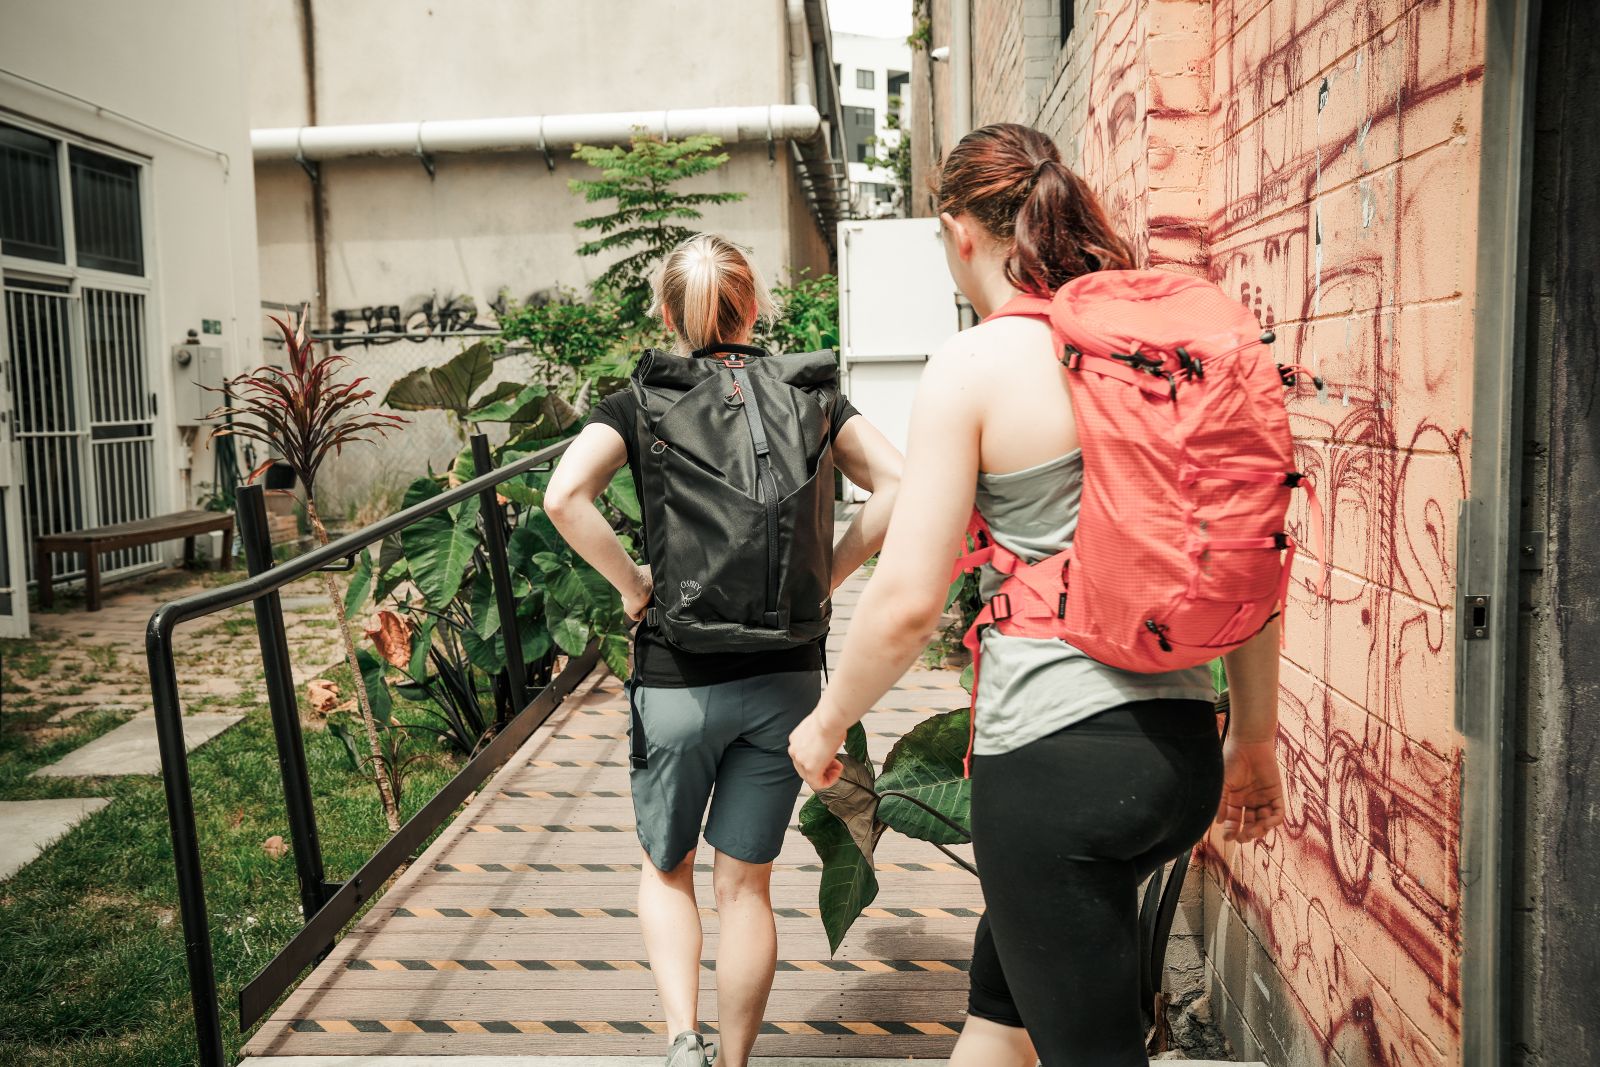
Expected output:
(874, 75)
(1354, 170)
(412, 161)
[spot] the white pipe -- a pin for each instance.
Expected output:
(800, 54)
(778, 122)
(961, 67)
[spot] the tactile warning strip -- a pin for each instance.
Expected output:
(629, 913)
(848, 966)
(615, 1026)
(633, 868)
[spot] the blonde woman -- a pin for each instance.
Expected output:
(732, 450)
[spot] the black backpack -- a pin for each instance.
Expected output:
(736, 471)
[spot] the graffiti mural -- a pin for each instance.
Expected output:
(1343, 132)
(1338, 182)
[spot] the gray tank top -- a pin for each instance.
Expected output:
(1030, 687)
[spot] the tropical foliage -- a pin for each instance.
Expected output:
(303, 413)
(532, 410)
(808, 316)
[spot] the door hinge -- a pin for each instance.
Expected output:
(1475, 617)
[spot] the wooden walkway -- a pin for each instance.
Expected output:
(516, 933)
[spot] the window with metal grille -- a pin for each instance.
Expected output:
(866, 79)
(30, 196)
(105, 212)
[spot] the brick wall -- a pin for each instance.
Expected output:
(1319, 159)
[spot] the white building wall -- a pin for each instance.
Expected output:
(163, 84)
(483, 223)
(880, 55)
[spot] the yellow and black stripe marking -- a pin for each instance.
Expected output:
(634, 868)
(629, 913)
(546, 828)
(561, 794)
(583, 763)
(843, 966)
(827, 1027)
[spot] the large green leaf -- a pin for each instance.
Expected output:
(361, 580)
(624, 495)
(927, 764)
(485, 610)
(488, 654)
(570, 633)
(377, 689)
(447, 387)
(854, 801)
(855, 745)
(614, 647)
(848, 884)
(511, 402)
(439, 546)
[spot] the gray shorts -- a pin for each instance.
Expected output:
(728, 744)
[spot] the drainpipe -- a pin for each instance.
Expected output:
(319, 200)
(961, 68)
(800, 54)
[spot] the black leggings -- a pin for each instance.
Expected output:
(1065, 829)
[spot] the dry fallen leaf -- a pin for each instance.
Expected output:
(323, 694)
(391, 636)
(275, 847)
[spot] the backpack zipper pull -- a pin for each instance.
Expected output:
(1161, 634)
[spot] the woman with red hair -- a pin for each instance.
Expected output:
(1085, 778)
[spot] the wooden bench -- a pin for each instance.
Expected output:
(185, 524)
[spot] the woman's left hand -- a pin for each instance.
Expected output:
(814, 746)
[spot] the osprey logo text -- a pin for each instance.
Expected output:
(690, 590)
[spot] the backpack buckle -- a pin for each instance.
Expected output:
(733, 363)
(1071, 358)
(1280, 540)
(1292, 479)
(1000, 607)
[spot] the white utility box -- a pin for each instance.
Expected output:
(897, 305)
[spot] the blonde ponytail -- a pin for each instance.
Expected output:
(711, 292)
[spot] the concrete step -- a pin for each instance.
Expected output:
(28, 827)
(131, 748)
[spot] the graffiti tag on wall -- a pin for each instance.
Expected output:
(420, 319)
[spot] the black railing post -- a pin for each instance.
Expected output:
(250, 503)
(185, 844)
(494, 540)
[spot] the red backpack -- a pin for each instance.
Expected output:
(1180, 553)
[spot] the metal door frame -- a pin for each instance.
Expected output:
(13, 534)
(1487, 563)
(77, 278)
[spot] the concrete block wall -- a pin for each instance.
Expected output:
(1319, 159)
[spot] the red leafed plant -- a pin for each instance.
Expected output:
(303, 413)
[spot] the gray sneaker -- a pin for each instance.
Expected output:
(689, 1050)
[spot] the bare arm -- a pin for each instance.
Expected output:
(869, 460)
(1252, 788)
(903, 600)
(588, 466)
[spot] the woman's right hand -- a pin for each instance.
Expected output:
(1252, 790)
(636, 601)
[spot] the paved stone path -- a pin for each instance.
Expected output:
(132, 749)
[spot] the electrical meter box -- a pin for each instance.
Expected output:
(196, 371)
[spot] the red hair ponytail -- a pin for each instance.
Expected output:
(1010, 179)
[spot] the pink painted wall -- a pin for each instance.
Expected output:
(1319, 159)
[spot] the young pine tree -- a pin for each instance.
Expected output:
(651, 214)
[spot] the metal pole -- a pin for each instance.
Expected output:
(494, 539)
(251, 505)
(185, 845)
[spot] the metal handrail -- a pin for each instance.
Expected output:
(326, 906)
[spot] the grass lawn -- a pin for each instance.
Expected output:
(92, 971)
